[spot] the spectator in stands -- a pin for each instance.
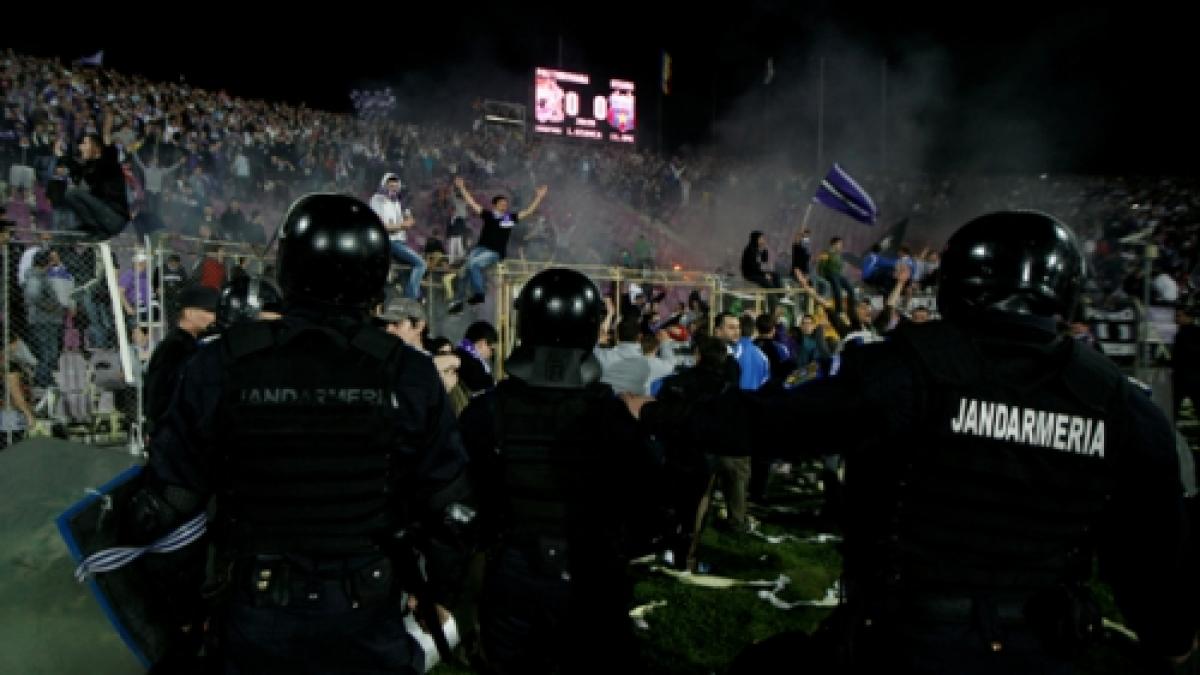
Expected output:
(498, 223)
(624, 366)
(755, 265)
(877, 269)
(781, 361)
(47, 312)
(830, 268)
(172, 281)
(209, 228)
(404, 318)
(234, 225)
(210, 270)
(812, 347)
(435, 250)
(16, 413)
(398, 220)
(1165, 290)
(102, 207)
(802, 254)
(457, 229)
(136, 297)
(256, 233)
(156, 177)
(475, 352)
(62, 218)
(14, 284)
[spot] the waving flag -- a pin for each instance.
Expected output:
(96, 59)
(840, 192)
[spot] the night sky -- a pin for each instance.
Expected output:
(1092, 90)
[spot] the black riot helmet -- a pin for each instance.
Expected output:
(333, 250)
(558, 320)
(244, 298)
(559, 308)
(1021, 262)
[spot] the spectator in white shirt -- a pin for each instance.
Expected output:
(398, 220)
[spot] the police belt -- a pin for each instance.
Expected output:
(328, 586)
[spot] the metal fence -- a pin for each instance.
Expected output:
(80, 321)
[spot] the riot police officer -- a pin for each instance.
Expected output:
(197, 307)
(991, 461)
(569, 483)
(320, 437)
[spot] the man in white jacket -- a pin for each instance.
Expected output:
(397, 220)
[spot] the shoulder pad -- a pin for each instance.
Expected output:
(941, 348)
(375, 342)
(244, 339)
(1091, 376)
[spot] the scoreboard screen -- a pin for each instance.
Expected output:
(575, 105)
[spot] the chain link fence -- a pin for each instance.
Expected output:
(78, 331)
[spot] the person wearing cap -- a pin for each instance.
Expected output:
(405, 318)
(386, 204)
(197, 311)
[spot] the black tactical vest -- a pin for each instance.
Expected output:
(308, 437)
(996, 488)
(552, 463)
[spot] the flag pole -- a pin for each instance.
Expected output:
(807, 211)
(821, 115)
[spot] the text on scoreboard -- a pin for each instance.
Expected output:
(574, 106)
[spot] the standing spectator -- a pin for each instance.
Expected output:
(155, 178)
(172, 281)
(209, 228)
(660, 356)
(498, 223)
(624, 366)
(210, 271)
(457, 230)
(643, 253)
(14, 284)
(16, 414)
(733, 470)
(87, 270)
(102, 207)
(398, 220)
(47, 314)
(56, 194)
(136, 297)
(256, 230)
(802, 254)
(233, 222)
